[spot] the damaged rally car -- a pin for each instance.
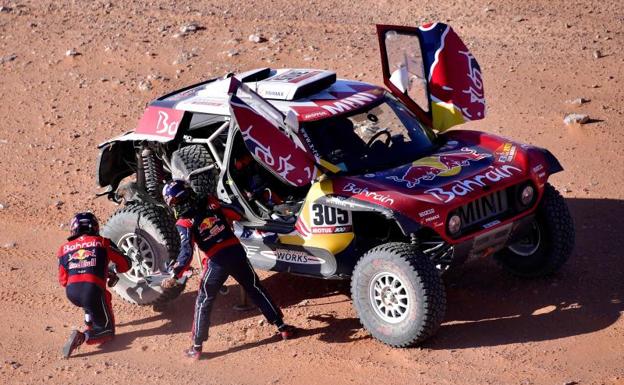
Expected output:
(341, 179)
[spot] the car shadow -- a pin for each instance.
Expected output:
(485, 306)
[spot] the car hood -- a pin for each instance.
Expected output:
(464, 168)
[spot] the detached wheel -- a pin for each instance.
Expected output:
(549, 243)
(191, 158)
(398, 294)
(147, 235)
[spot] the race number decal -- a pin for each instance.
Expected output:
(329, 220)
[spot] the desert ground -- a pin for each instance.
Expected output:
(536, 57)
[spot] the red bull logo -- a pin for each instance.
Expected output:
(445, 164)
(82, 259)
(208, 223)
(81, 255)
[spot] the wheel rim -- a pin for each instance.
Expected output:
(389, 297)
(528, 245)
(140, 253)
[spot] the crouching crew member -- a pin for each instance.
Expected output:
(203, 222)
(86, 261)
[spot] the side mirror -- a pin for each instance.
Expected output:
(400, 79)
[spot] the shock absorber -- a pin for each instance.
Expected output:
(154, 173)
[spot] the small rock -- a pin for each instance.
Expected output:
(576, 119)
(257, 38)
(488, 9)
(3, 206)
(58, 204)
(15, 364)
(519, 19)
(570, 383)
(5, 9)
(567, 189)
(232, 52)
(49, 329)
(10, 245)
(183, 57)
(145, 85)
(261, 322)
(8, 58)
(71, 53)
(597, 54)
(577, 101)
(3, 141)
(190, 28)
(144, 347)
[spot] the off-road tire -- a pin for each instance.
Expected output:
(194, 157)
(156, 228)
(556, 240)
(426, 296)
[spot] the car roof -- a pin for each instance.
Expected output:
(311, 94)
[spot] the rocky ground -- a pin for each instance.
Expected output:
(73, 73)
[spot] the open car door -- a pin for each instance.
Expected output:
(271, 137)
(430, 69)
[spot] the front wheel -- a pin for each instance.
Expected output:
(398, 294)
(548, 243)
(146, 234)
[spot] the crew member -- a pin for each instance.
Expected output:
(203, 222)
(86, 261)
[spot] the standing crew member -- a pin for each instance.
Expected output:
(83, 270)
(203, 222)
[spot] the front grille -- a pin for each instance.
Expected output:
(489, 210)
(484, 208)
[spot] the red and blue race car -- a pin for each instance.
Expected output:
(342, 179)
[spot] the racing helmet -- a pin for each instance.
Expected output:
(84, 223)
(179, 196)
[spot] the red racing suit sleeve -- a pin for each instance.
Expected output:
(229, 212)
(122, 263)
(185, 256)
(62, 272)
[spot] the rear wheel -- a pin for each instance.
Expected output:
(398, 294)
(547, 245)
(146, 234)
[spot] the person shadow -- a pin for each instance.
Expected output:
(485, 306)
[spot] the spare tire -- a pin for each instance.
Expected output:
(146, 234)
(191, 158)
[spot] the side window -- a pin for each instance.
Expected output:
(406, 66)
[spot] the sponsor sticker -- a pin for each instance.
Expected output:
(444, 164)
(466, 186)
(364, 192)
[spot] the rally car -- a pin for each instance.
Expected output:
(341, 179)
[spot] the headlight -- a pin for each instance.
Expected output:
(454, 224)
(526, 196)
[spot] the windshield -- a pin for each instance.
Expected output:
(383, 135)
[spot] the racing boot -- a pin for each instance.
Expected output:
(287, 331)
(76, 338)
(194, 352)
